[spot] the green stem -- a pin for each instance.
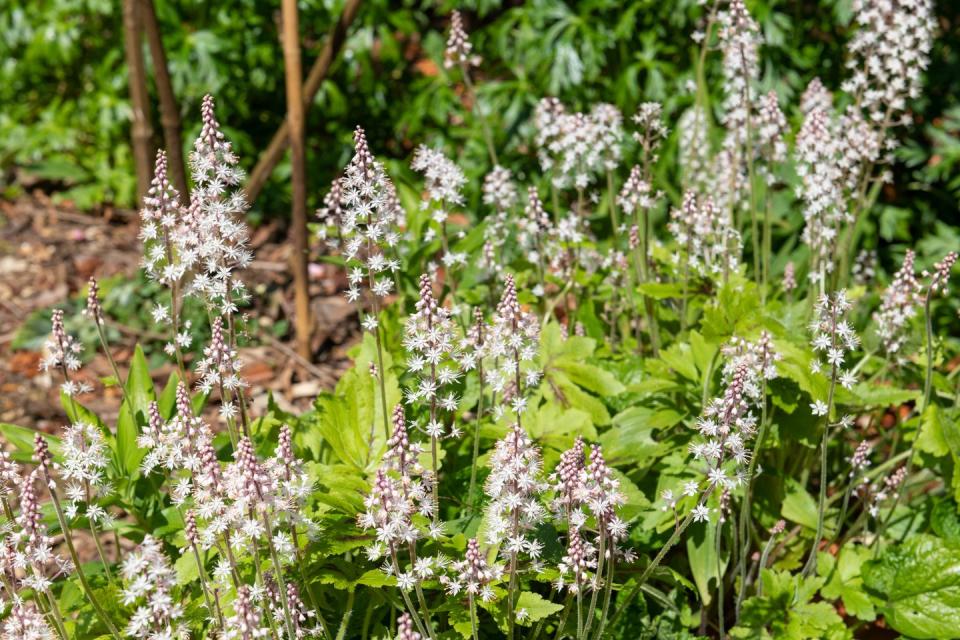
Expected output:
(473, 617)
(68, 538)
(348, 612)
(672, 540)
(811, 566)
(476, 437)
(927, 393)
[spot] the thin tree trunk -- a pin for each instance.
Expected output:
(141, 130)
(298, 223)
(318, 73)
(169, 109)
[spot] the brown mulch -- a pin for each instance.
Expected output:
(48, 251)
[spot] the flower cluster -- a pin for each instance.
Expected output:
(834, 337)
(729, 422)
(636, 194)
(651, 130)
(514, 487)
(473, 574)
(369, 219)
(159, 219)
(739, 40)
(62, 350)
(220, 365)
(429, 337)
(879, 491)
(499, 190)
(821, 190)
(693, 148)
(899, 305)
(511, 342)
(25, 622)
(213, 232)
(85, 459)
(575, 147)
(444, 181)
(941, 273)
(771, 126)
(889, 51)
(711, 246)
(459, 50)
(246, 623)
(150, 584)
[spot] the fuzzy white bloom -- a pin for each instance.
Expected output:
(576, 147)
(708, 242)
(149, 584)
(899, 304)
(825, 212)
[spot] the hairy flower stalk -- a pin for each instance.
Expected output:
(897, 308)
(636, 200)
(775, 532)
(63, 354)
(390, 506)
(603, 497)
(511, 343)
(475, 341)
(193, 539)
(165, 258)
(762, 356)
(369, 224)
(220, 368)
(474, 576)
(514, 486)
(771, 128)
(459, 53)
(85, 459)
(28, 548)
(444, 182)
(253, 490)
(739, 38)
(25, 622)
(825, 211)
(45, 462)
(95, 311)
(726, 426)
(710, 245)
(429, 337)
(150, 583)
(939, 280)
(834, 336)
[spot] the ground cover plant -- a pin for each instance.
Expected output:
(653, 385)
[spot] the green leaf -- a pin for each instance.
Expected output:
(167, 402)
(536, 606)
(800, 507)
(874, 395)
(918, 585)
(931, 438)
(22, 439)
(844, 581)
(631, 441)
(354, 412)
(785, 611)
(555, 426)
(679, 357)
(133, 413)
(702, 554)
(593, 378)
(945, 521)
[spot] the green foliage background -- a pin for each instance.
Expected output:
(65, 111)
